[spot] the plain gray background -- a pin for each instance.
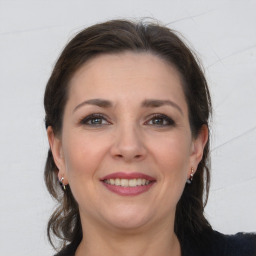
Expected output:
(32, 34)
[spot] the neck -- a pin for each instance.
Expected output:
(160, 240)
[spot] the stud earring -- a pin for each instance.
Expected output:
(189, 180)
(61, 180)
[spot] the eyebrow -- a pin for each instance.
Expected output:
(148, 103)
(97, 102)
(154, 103)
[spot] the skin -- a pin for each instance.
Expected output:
(128, 138)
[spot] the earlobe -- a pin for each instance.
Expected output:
(56, 148)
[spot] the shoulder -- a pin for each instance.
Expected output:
(213, 243)
(240, 244)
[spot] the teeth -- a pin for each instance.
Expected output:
(124, 183)
(127, 182)
(132, 183)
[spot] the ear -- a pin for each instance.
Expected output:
(198, 145)
(56, 148)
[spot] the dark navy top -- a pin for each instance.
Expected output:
(241, 244)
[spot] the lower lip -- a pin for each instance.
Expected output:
(128, 191)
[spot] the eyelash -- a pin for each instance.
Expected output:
(86, 120)
(166, 121)
(164, 118)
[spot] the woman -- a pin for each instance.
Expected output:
(127, 109)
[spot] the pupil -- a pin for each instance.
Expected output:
(96, 121)
(158, 121)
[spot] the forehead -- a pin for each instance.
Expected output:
(126, 76)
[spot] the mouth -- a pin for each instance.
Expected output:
(128, 184)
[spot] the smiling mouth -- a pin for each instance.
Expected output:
(127, 182)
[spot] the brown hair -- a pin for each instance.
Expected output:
(114, 37)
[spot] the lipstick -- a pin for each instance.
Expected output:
(128, 184)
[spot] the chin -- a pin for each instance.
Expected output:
(128, 224)
(128, 218)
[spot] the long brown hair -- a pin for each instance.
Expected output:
(114, 37)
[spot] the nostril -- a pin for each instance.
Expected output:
(128, 151)
(121, 156)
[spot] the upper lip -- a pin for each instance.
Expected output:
(125, 175)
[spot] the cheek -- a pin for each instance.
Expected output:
(83, 155)
(173, 154)
(172, 160)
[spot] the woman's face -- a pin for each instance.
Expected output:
(126, 147)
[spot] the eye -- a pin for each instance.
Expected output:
(160, 120)
(95, 120)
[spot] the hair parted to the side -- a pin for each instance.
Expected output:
(114, 37)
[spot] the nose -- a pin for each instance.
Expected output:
(128, 144)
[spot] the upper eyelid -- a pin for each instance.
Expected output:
(159, 115)
(94, 115)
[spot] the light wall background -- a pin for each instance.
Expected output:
(32, 34)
